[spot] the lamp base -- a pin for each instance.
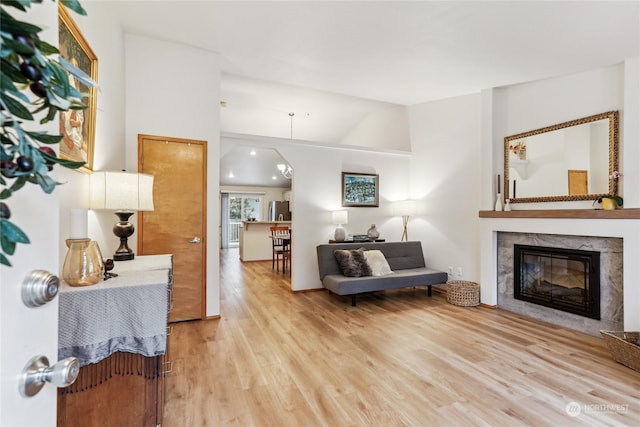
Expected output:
(123, 256)
(123, 229)
(339, 235)
(405, 235)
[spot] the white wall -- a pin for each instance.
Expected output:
(387, 128)
(445, 178)
(164, 97)
(630, 134)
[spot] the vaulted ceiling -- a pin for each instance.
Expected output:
(332, 62)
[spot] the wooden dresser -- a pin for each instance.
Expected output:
(118, 331)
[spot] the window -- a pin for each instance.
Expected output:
(245, 207)
(240, 207)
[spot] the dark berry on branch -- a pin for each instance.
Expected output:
(49, 151)
(8, 169)
(25, 163)
(25, 40)
(5, 213)
(31, 72)
(38, 89)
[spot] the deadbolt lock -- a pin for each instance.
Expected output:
(39, 287)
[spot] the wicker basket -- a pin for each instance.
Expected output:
(624, 347)
(462, 293)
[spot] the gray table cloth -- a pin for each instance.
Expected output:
(125, 313)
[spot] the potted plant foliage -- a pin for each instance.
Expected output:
(33, 83)
(610, 202)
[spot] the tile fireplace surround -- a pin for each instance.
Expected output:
(611, 286)
(624, 224)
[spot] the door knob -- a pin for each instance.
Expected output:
(37, 372)
(195, 240)
(39, 287)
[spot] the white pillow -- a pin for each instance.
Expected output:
(378, 263)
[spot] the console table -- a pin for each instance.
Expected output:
(359, 241)
(118, 331)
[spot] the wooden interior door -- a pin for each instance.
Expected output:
(578, 182)
(177, 225)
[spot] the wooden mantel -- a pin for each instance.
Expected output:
(631, 213)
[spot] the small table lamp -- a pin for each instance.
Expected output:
(339, 218)
(405, 208)
(125, 193)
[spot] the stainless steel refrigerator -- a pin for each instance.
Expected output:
(279, 211)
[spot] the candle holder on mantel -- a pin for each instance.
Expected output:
(83, 264)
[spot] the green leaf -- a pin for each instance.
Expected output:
(46, 183)
(70, 164)
(84, 78)
(19, 95)
(8, 245)
(16, 108)
(17, 47)
(44, 137)
(5, 194)
(17, 4)
(74, 5)
(18, 184)
(12, 232)
(13, 73)
(52, 114)
(13, 26)
(46, 48)
(4, 260)
(58, 101)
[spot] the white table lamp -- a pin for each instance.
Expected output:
(125, 193)
(339, 218)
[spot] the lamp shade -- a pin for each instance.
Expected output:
(121, 191)
(339, 217)
(405, 208)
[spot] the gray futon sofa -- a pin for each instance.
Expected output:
(405, 260)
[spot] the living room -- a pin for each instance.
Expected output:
(455, 154)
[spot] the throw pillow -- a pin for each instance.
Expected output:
(378, 263)
(352, 262)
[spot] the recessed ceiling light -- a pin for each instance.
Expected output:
(252, 152)
(274, 177)
(231, 175)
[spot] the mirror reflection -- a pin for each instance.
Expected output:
(563, 162)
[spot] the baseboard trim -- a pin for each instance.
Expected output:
(493, 307)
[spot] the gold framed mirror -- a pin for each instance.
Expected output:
(564, 162)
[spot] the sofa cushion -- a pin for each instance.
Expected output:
(352, 262)
(377, 262)
(399, 255)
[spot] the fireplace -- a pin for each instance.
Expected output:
(563, 279)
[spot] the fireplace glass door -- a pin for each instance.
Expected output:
(564, 279)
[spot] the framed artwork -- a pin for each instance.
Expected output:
(359, 189)
(78, 127)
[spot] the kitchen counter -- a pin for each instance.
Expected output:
(247, 224)
(255, 244)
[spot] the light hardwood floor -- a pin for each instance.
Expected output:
(398, 358)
